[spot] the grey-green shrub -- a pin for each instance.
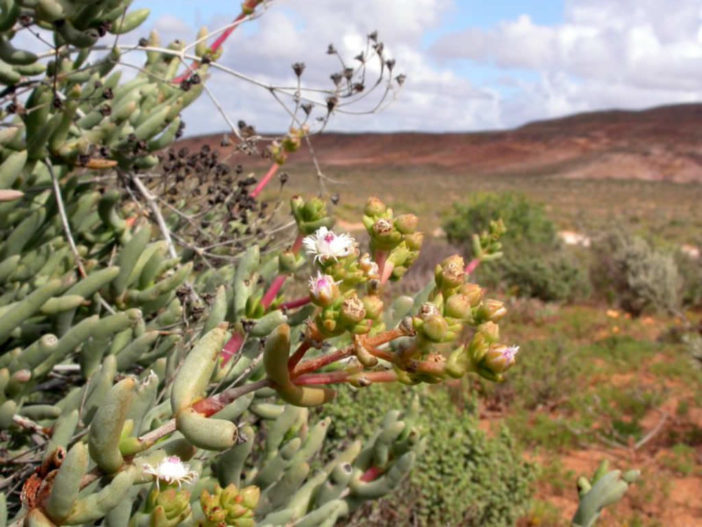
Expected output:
(690, 270)
(634, 275)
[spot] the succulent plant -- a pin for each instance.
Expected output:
(139, 387)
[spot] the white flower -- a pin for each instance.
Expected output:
(325, 245)
(322, 287)
(369, 267)
(171, 470)
(509, 353)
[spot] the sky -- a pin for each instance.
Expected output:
(469, 64)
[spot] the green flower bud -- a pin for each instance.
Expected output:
(287, 262)
(384, 236)
(310, 215)
(435, 328)
(414, 241)
(315, 209)
(450, 273)
(490, 331)
(292, 141)
(474, 292)
(373, 306)
(406, 223)
(478, 347)
(296, 204)
(374, 207)
(172, 503)
(458, 306)
(490, 309)
(250, 496)
(229, 506)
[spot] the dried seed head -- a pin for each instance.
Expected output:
(298, 68)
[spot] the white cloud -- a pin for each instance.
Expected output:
(607, 53)
(300, 31)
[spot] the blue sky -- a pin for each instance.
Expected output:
(470, 64)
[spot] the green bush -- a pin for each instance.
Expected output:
(551, 277)
(462, 478)
(535, 264)
(634, 275)
(527, 222)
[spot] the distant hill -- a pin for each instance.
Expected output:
(663, 143)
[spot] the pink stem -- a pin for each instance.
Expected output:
(472, 265)
(380, 257)
(273, 290)
(279, 280)
(266, 179)
(371, 474)
(298, 243)
(319, 362)
(335, 377)
(386, 272)
(298, 302)
(296, 357)
(231, 348)
(332, 377)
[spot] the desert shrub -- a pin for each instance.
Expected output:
(463, 477)
(634, 275)
(527, 222)
(535, 264)
(551, 277)
(690, 270)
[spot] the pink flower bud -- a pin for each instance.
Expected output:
(323, 289)
(500, 358)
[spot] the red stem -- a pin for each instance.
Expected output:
(296, 357)
(371, 474)
(472, 265)
(381, 354)
(231, 348)
(320, 362)
(279, 280)
(384, 337)
(273, 290)
(298, 243)
(336, 377)
(212, 405)
(298, 302)
(266, 179)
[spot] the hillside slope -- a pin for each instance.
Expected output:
(663, 144)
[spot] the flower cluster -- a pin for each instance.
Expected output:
(447, 331)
